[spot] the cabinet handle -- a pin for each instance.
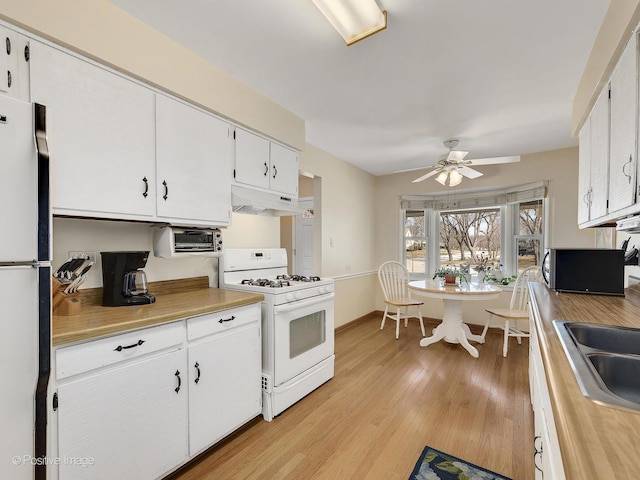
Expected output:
(119, 348)
(7, 42)
(266, 169)
(628, 175)
(146, 187)
(9, 80)
(538, 453)
(275, 171)
(197, 367)
(177, 374)
(166, 189)
(222, 320)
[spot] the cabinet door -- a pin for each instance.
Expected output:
(193, 164)
(252, 159)
(624, 114)
(14, 67)
(600, 156)
(284, 170)
(129, 422)
(224, 384)
(102, 136)
(584, 173)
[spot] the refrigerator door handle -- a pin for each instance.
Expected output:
(44, 210)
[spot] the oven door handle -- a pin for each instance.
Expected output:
(289, 307)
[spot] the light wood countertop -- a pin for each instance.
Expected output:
(596, 441)
(96, 321)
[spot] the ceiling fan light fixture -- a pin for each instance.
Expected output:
(442, 177)
(354, 20)
(454, 178)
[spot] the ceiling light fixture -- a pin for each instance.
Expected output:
(353, 19)
(452, 175)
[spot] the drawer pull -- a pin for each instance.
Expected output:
(119, 348)
(538, 453)
(223, 320)
(177, 374)
(197, 367)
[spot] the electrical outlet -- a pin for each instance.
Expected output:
(92, 255)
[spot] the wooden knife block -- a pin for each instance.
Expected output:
(64, 304)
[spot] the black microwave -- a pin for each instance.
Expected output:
(588, 270)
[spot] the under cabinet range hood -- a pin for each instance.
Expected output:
(629, 224)
(258, 202)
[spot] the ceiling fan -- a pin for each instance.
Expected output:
(454, 167)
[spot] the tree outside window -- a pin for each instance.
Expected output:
(415, 241)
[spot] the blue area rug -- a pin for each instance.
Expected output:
(436, 465)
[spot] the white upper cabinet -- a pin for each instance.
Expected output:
(14, 64)
(264, 164)
(284, 170)
(599, 156)
(623, 152)
(193, 153)
(584, 173)
(101, 128)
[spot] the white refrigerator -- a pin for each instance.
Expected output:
(25, 289)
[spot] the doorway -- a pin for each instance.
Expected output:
(303, 227)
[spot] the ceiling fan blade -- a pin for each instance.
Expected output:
(469, 172)
(456, 155)
(494, 160)
(427, 175)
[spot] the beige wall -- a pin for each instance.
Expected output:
(101, 31)
(347, 236)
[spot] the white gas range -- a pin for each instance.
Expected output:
(297, 324)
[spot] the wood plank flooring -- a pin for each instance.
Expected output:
(389, 398)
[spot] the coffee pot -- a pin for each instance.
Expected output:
(124, 282)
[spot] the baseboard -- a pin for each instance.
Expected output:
(377, 315)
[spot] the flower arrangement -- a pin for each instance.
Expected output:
(449, 274)
(482, 263)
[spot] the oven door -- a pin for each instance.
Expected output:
(303, 336)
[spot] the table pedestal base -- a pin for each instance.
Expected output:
(452, 329)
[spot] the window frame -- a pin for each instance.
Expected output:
(509, 228)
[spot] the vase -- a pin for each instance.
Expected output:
(449, 279)
(481, 275)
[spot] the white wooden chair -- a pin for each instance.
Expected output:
(394, 280)
(517, 311)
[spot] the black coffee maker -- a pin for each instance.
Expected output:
(123, 280)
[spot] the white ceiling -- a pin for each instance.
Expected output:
(499, 75)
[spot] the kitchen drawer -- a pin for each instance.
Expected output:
(118, 348)
(224, 320)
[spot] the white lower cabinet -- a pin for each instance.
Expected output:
(224, 376)
(140, 404)
(547, 456)
(126, 423)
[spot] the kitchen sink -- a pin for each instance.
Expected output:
(605, 360)
(606, 338)
(620, 374)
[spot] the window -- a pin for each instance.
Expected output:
(470, 237)
(415, 241)
(529, 236)
(491, 229)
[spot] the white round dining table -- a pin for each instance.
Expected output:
(453, 329)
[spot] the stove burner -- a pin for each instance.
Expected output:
(298, 278)
(264, 282)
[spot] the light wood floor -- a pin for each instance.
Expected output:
(389, 398)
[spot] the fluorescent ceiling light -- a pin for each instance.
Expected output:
(353, 19)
